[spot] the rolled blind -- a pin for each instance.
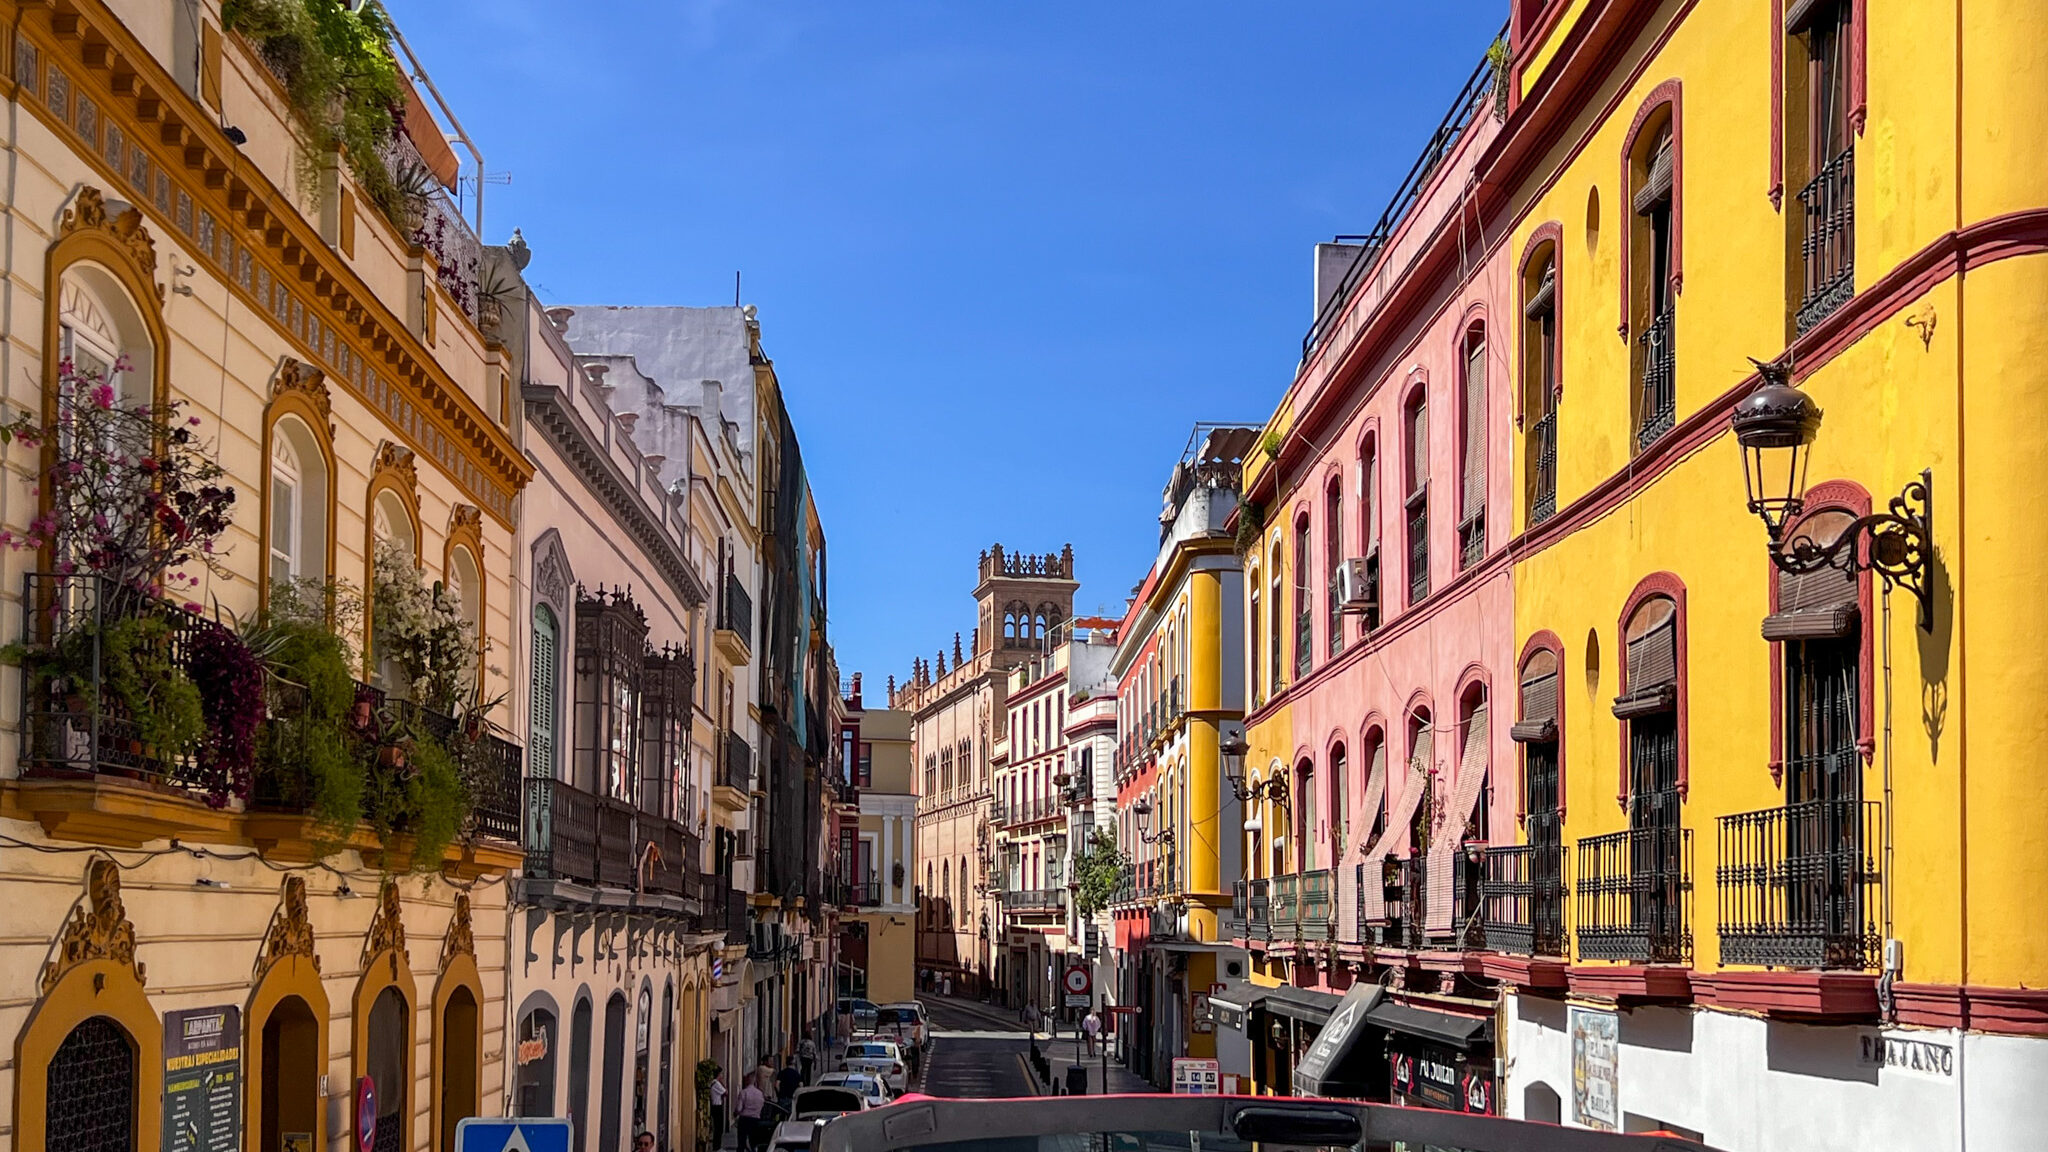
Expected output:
(1545, 297)
(1539, 698)
(1456, 814)
(1475, 429)
(1656, 187)
(1418, 449)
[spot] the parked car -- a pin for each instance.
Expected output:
(860, 1013)
(881, 1058)
(870, 1086)
(906, 1021)
(794, 1136)
(822, 1101)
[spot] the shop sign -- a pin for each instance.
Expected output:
(1193, 1077)
(203, 1080)
(1596, 1082)
(533, 1047)
(1203, 1014)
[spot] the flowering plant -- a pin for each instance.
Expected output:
(424, 648)
(131, 493)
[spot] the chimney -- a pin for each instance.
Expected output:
(1333, 262)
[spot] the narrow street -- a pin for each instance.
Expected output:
(982, 1051)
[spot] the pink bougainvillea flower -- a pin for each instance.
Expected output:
(103, 396)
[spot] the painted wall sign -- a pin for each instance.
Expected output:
(203, 1080)
(1908, 1052)
(1596, 1079)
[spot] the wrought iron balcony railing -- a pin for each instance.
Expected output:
(1258, 908)
(1659, 402)
(1800, 886)
(736, 609)
(867, 893)
(1634, 896)
(1316, 920)
(598, 841)
(1418, 545)
(1525, 893)
(1285, 910)
(1543, 468)
(1828, 248)
(736, 763)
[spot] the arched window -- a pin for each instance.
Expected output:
(300, 495)
(287, 510)
(1472, 449)
(1415, 428)
(1466, 819)
(1540, 376)
(1650, 274)
(1340, 815)
(611, 1096)
(946, 890)
(1333, 550)
(389, 1063)
(1308, 833)
(1541, 737)
(92, 1088)
(1274, 629)
(1255, 623)
(1304, 598)
(534, 1055)
(544, 698)
(101, 332)
(1373, 806)
(1369, 525)
(1652, 710)
(466, 585)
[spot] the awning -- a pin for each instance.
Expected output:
(1299, 1003)
(1324, 1071)
(1457, 1031)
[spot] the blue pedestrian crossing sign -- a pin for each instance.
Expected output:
(511, 1134)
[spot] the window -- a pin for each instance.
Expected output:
(91, 1099)
(466, 583)
(1538, 734)
(1273, 671)
(1369, 526)
(865, 773)
(611, 641)
(1539, 382)
(1340, 817)
(667, 678)
(1305, 788)
(544, 698)
(1304, 598)
(643, 1019)
(1253, 622)
(1650, 281)
(285, 511)
(1472, 451)
(668, 1043)
(1416, 421)
(1821, 114)
(1650, 709)
(1333, 548)
(388, 1063)
(1469, 817)
(533, 1093)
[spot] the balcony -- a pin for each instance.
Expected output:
(866, 893)
(1524, 891)
(1418, 545)
(735, 637)
(598, 842)
(735, 777)
(1397, 921)
(1284, 911)
(1543, 468)
(1658, 413)
(1036, 900)
(725, 909)
(1800, 886)
(1317, 923)
(1258, 909)
(1827, 247)
(1634, 896)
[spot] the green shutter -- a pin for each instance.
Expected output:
(545, 701)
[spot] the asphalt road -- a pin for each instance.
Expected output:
(978, 1052)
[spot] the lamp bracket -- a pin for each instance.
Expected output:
(1897, 544)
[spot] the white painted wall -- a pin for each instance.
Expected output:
(1747, 1084)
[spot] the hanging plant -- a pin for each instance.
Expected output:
(230, 682)
(312, 756)
(1251, 521)
(420, 634)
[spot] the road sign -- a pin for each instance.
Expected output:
(511, 1134)
(1078, 981)
(1193, 1077)
(366, 1114)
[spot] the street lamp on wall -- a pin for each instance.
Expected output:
(1775, 427)
(1143, 811)
(1232, 749)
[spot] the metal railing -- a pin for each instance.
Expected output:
(736, 609)
(1525, 890)
(1472, 539)
(1285, 910)
(1316, 920)
(1827, 250)
(867, 893)
(575, 836)
(1633, 894)
(736, 763)
(1418, 545)
(1258, 908)
(1659, 412)
(1543, 468)
(1036, 899)
(1801, 887)
(1468, 101)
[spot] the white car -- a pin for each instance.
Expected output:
(880, 1058)
(828, 1098)
(793, 1136)
(877, 1093)
(906, 1021)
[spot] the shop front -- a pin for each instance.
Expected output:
(1437, 1059)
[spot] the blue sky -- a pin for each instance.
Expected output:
(1005, 254)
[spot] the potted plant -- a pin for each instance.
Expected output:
(414, 186)
(491, 296)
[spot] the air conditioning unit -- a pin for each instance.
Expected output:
(1357, 591)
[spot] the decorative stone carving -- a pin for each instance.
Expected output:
(398, 459)
(467, 518)
(89, 210)
(552, 576)
(295, 377)
(387, 927)
(99, 930)
(291, 931)
(461, 938)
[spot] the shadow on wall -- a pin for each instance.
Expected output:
(1829, 1053)
(1549, 1014)
(1935, 645)
(1666, 1029)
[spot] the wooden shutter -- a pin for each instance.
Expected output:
(1822, 603)
(1446, 843)
(1475, 429)
(1653, 656)
(1375, 793)
(1539, 709)
(1418, 448)
(545, 699)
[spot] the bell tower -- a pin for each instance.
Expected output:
(1021, 600)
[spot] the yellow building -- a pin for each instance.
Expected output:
(1767, 813)
(878, 942)
(174, 903)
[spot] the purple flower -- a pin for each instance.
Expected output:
(103, 396)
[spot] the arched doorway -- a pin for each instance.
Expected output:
(458, 1072)
(609, 1096)
(92, 1090)
(534, 1089)
(288, 1098)
(387, 1063)
(579, 1073)
(668, 1051)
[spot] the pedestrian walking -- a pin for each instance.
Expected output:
(787, 1082)
(807, 1056)
(753, 1130)
(644, 1142)
(718, 1110)
(1031, 1016)
(1091, 1028)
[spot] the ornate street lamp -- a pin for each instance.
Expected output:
(1143, 811)
(1232, 749)
(1775, 426)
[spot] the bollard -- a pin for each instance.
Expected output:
(1077, 1079)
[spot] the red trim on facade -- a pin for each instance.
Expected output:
(1544, 640)
(1534, 972)
(1839, 496)
(1839, 996)
(1549, 232)
(1469, 963)
(1632, 982)
(1776, 191)
(1662, 95)
(1522, 34)
(1859, 68)
(1977, 1007)
(1671, 587)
